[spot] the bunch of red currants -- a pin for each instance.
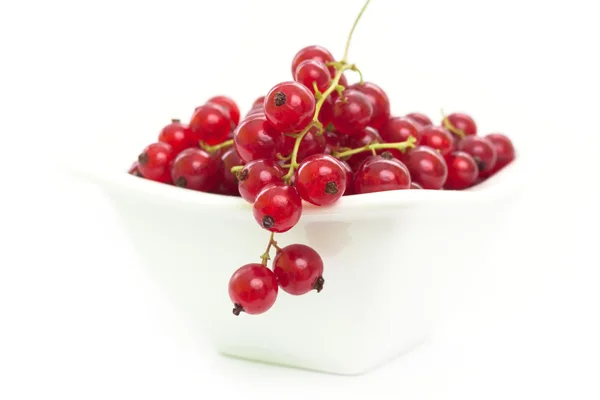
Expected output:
(314, 139)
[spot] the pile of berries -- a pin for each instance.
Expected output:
(313, 139)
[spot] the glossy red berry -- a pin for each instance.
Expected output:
(155, 160)
(462, 171)
(256, 110)
(415, 185)
(326, 113)
(277, 208)
(482, 151)
(256, 175)
(349, 178)
(253, 289)
(255, 138)
(379, 101)
(352, 112)
(504, 149)
(399, 129)
(420, 119)
(289, 106)
(299, 269)
(312, 71)
(311, 144)
(135, 170)
(259, 101)
(229, 179)
(381, 173)
(320, 180)
(230, 105)
(210, 123)
(196, 169)
(178, 135)
(427, 167)
(438, 138)
(461, 122)
(315, 52)
(367, 136)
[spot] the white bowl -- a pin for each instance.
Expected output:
(396, 263)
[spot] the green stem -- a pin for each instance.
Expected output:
(402, 146)
(266, 256)
(236, 168)
(352, 30)
(448, 125)
(315, 122)
(216, 147)
(340, 66)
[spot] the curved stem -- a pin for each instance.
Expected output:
(362, 10)
(216, 147)
(315, 122)
(340, 67)
(448, 125)
(402, 146)
(266, 256)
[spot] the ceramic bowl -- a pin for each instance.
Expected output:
(396, 263)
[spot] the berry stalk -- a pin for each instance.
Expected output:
(266, 255)
(315, 121)
(448, 125)
(402, 146)
(340, 67)
(216, 147)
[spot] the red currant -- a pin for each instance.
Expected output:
(381, 173)
(326, 112)
(256, 110)
(311, 71)
(154, 162)
(289, 106)
(320, 180)
(504, 150)
(438, 138)
(277, 208)
(379, 101)
(462, 122)
(178, 135)
(352, 112)
(255, 138)
(427, 167)
(311, 144)
(420, 119)
(229, 182)
(399, 129)
(196, 169)
(349, 178)
(230, 105)
(259, 101)
(317, 53)
(462, 171)
(135, 169)
(343, 81)
(482, 150)
(415, 185)
(253, 289)
(299, 269)
(368, 136)
(256, 175)
(211, 123)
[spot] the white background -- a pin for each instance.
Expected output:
(79, 318)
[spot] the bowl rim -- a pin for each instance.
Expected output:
(506, 181)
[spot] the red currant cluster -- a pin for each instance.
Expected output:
(314, 139)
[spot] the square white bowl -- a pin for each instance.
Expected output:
(395, 262)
